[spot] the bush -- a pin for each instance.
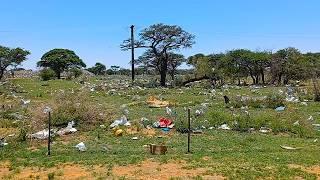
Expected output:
(47, 74)
(78, 108)
(274, 100)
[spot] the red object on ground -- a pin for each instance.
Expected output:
(164, 122)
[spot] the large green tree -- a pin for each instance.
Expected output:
(285, 66)
(11, 57)
(98, 69)
(60, 60)
(162, 39)
(311, 64)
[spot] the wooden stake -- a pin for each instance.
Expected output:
(189, 130)
(49, 137)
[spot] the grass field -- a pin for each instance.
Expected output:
(241, 153)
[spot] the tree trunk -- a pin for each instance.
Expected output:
(257, 79)
(172, 76)
(163, 72)
(59, 75)
(279, 79)
(253, 79)
(1, 74)
(262, 76)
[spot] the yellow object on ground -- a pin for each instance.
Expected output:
(119, 132)
(156, 103)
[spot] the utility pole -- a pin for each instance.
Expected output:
(132, 53)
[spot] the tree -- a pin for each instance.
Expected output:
(174, 61)
(284, 65)
(150, 60)
(312, 70)
(161, 39)
(235, 64)
(98, 69)
(11, 57)
(60, 60)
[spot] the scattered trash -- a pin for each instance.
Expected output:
(289, 148)
(81, 147)
(3, 142)
(198, 131)
(224, 127)
(164, 122)
(304, 103)
(158, 149)
(25, 102)
(47, 109)
(296, 123)
(68, 130)
(168, 111)
(118, 132)
(135, 138)
(265, 130)
(44, 134)
(165, 129)
(281, 108)
(316, 140)
(153, 102)
(183, 130)
(199, 112)
(311, 119)
(292, 99)
(123, 121)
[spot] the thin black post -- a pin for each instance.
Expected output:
(132, 53)
(49, 136)
(189, 130)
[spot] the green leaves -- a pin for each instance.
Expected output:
(60, 60)
(11, 57)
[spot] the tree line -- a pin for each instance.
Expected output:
(162, 44)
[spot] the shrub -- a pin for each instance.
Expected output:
(47, 74)
(78, 108)
(274, 101)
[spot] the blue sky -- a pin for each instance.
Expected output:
(94, 29)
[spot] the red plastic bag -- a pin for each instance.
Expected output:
(164, 122)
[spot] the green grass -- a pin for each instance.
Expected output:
(234, 154)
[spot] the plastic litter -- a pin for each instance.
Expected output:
(81, 147)
(168, 111)
(289, 148)
(123, 121)
(68, 130)
(164, 122)
(3, 142)
(280, 108)
(264, 130)
(118, 132)
(224, 127)
(44, 134)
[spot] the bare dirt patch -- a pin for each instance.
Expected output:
(67, 171)
(312, 170)
(153, 170)
(4, 169)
